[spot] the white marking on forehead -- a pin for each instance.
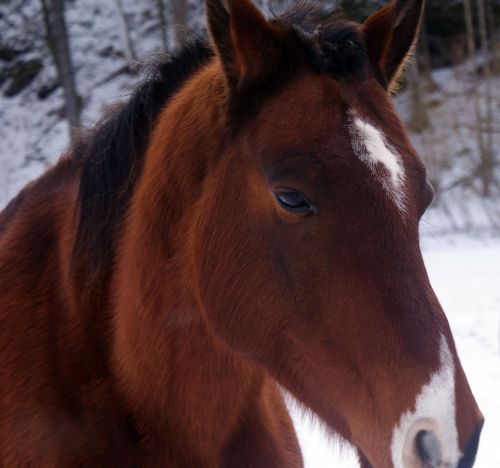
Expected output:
(370, 145)
(434, 411)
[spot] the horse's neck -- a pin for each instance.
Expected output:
(151, 265)
(163, 349)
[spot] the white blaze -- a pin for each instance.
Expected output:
(370, 145)
(434, 411)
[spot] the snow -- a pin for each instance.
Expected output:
(449, 146)
(465, 274)
(33, 132)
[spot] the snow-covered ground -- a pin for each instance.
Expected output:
(465, 274)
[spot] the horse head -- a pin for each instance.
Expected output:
(306, 244)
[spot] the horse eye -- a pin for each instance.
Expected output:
(294, 201)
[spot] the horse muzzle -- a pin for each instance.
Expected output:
(425, 448)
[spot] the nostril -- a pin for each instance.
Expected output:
(428, 448)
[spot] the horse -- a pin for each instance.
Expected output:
(244, 228)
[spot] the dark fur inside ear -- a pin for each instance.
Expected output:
(391, 34)
(406, 29)
(378, 33)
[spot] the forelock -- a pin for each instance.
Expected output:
(331, 43)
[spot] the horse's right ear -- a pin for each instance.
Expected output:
(247, 44)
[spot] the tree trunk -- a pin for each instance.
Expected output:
(58, 42)
(487, 156)
(419, 120)
(163, 24)
(425, 57)
(125, 35)
(493, 36)
(471, 49)
(48, 36)
(179, 15)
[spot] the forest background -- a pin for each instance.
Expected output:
(62, 62)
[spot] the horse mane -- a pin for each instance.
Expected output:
(333, 44)
(112, 154)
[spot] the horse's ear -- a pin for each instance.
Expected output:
(391, 34)
(245, 41)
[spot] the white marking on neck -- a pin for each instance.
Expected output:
(371, 147)
(434, 411)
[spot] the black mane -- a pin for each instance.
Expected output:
(111, 155)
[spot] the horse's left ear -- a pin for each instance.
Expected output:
(246, 43)
(391, 34)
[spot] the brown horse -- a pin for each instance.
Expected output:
(247, 222)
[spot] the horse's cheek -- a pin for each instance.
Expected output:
(233, 280)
